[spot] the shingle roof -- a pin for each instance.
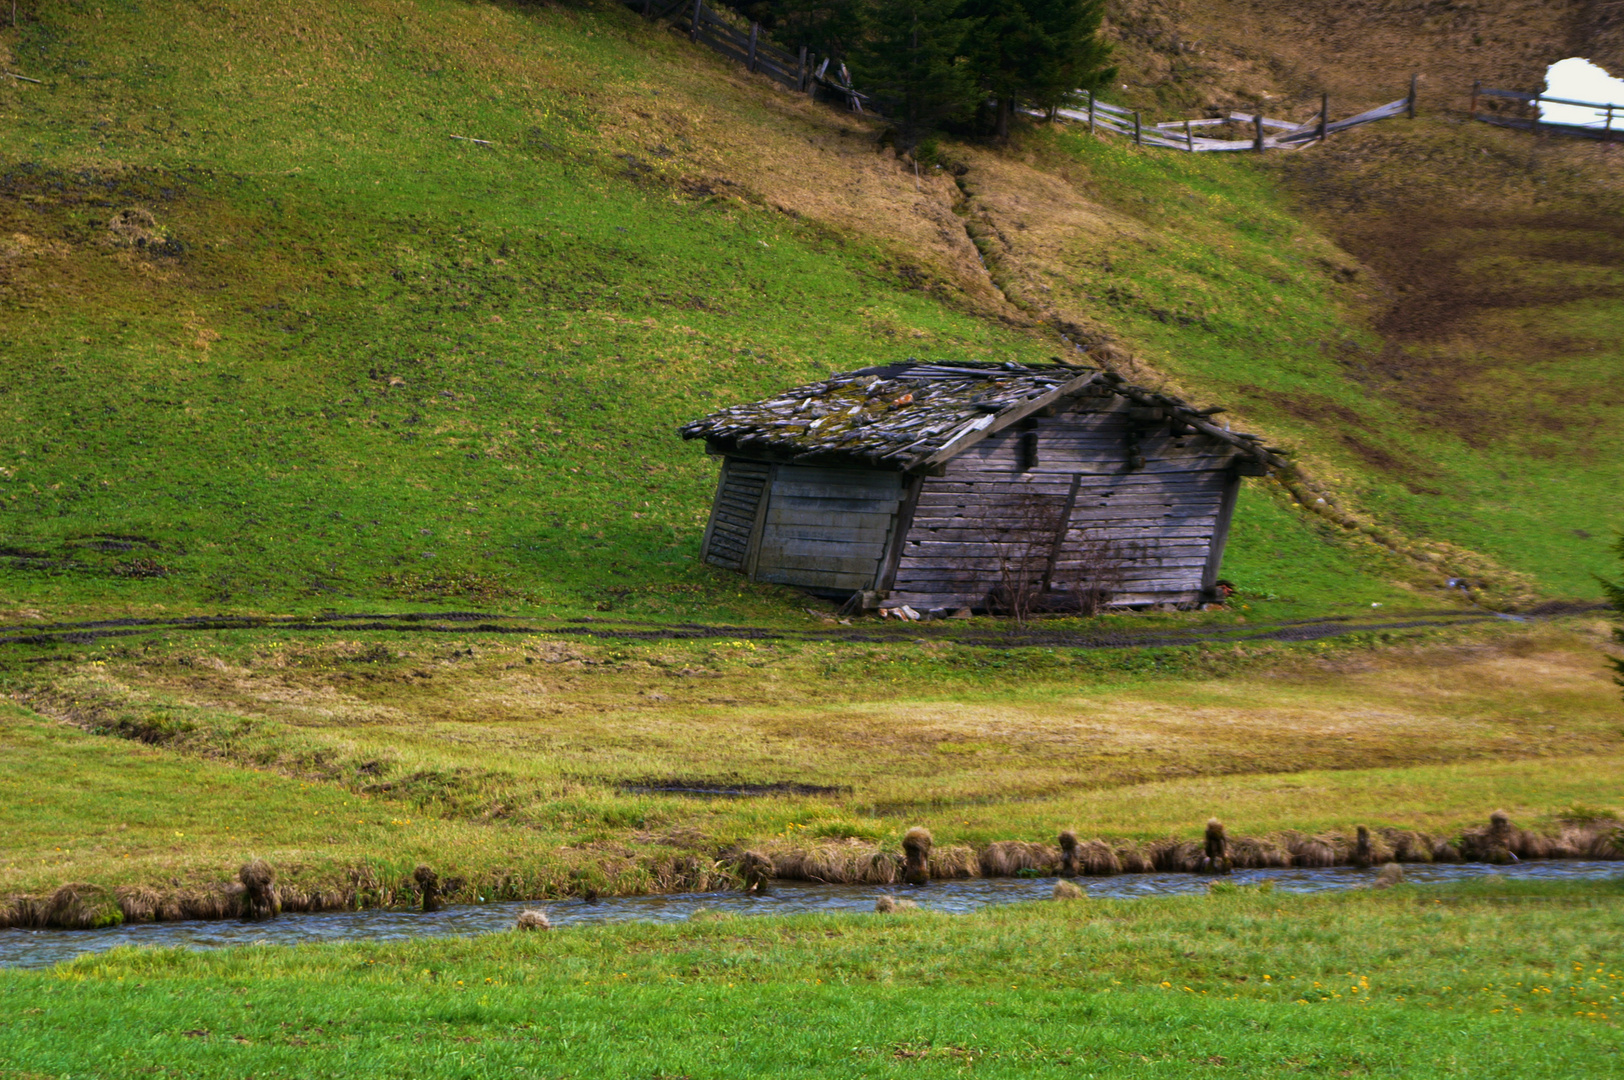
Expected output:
(914, 413)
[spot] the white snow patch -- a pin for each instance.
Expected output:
(1579, 80)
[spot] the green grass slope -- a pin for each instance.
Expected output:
(271, 338)
(354, 355)
(1439, 336)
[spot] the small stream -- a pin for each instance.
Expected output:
(41, 948)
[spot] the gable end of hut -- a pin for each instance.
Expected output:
(1104, 504)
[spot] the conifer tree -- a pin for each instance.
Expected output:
(827, 27)
(1035, 52)
(911, 57)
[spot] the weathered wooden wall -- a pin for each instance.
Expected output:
(1063, 501)
(735, 513)
(827, 528)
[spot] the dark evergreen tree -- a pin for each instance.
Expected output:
(911, 59)
(827, 27)
(1078, 59)
(1035, 52)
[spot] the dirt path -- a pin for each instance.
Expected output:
(463, 623)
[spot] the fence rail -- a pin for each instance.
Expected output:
(800, 72)
(1608, 128)
(804, 73)
(1180, 134)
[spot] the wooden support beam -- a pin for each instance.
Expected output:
(1257, 139)
(699, 13)
(755, 35)
(1410, 108)
(1062, 527)
(1138, 130)
(1220, 535)
(1325, 115)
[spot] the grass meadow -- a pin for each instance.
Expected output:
(277, 337)
(533, 767)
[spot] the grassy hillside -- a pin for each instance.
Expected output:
(348, 355)
(271, 338)
(1227, 54)
(1439, 333)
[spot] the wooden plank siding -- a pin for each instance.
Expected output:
(1063, 492)
(739, 492)
(827, 529)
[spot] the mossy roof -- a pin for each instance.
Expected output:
(908, 414)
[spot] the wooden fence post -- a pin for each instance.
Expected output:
(1091, 112)
(1189, 139)
(699, 9)
(1413, 78)
(800, 72)
(1257, 139)
(1534, 101)
(1608, 137)
(750, 61)
(1138, 132)
(1325, 114)
(1477, 84)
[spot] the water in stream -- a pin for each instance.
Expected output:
(39, 948)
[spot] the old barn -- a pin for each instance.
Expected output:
(943, 486)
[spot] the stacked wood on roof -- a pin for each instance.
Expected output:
(995, 487)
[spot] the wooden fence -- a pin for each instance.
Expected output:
(1610, 117)
(1267, 133)
(800, 72)
(804, 73)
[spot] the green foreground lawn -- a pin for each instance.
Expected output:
(1494, 979)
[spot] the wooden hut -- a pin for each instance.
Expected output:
(942, 486)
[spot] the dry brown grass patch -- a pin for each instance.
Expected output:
(1315, 851)
(838, 862)
(1006, 858)
(953, 862)
(533, 919)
